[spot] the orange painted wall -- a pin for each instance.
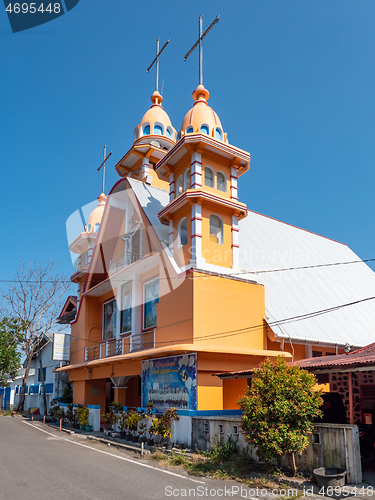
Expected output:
(182, 254)
(209, 391)
(212, 252)
(175, 313)
(225, 305)
(217, 167)
(299, 349)
(233, 389)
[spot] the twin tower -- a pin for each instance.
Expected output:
(200, 169)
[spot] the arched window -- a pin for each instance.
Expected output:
(221, 182)
(182, 232)
(179, 136)
(158, 130)
(136, 134)
(146, 130)
(89, 228)
(179, 186)
(216, 229)
(209, 177)
(169, 132)
(97, 226)
(205, 129)
(189, 130)
(187, 180)
(219, 134)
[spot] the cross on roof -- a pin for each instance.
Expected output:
(157, 61)
(200, 43)
(103, 164)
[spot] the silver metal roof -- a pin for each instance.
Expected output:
(267, 244)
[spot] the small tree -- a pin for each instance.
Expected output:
(34, 298)
(279, 408)
(10, 357)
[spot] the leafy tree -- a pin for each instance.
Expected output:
(10, 357)
(34, 297)
(279, 408)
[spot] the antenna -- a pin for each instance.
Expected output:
(103, 164)
(157, 61)
(200, 43)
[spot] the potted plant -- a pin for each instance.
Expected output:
(132, 420)
(121, 421)
(162, 426)
(83, 417)
(53, 408)
(109, 419)
(69, 415)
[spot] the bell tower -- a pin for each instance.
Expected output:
(203, 210)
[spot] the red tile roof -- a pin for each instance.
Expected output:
(361, 357)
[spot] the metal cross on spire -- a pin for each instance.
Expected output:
(157, 61)
(200, 43)
(103, 164)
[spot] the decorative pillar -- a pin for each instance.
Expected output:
(196, 170)
(172, 190)
(196, 235)
(235, 243)
(170, 236)
(233, 184)
(145, 168)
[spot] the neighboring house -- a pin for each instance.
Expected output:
(54, 382)
(352, 376)
(177, 280)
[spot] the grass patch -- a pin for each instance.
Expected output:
(225, 461)
(5, 413)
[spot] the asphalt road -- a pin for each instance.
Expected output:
(39, 462)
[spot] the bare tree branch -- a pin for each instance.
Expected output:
(34, 297)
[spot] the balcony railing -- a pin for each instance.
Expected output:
(113, 348)
(123, 260)
(92, 353)
(125, 345)
(143, 341)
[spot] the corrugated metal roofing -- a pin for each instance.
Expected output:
(267, 244)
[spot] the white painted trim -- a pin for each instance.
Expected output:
(145, 168)
(196, 242)
(235, 242)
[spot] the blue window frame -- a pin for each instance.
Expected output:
(205, 129)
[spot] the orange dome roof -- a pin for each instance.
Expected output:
(155, 121)
(96, 215)
(201, 117)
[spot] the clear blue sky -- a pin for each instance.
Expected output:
(293, 82)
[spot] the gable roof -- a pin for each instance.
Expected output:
(267, 244)
(360, 359)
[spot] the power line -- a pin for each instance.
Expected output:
(239, 331)
(208, 272)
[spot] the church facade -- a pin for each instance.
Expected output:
(178, 280)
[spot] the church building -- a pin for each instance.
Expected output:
(179, 280)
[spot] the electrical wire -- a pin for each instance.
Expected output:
(239, 331)
(224, 275)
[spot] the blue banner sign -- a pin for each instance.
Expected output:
(170, 382)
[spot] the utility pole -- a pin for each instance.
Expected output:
(42, 378)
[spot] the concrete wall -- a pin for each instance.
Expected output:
(332, 445)
(208, 430)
